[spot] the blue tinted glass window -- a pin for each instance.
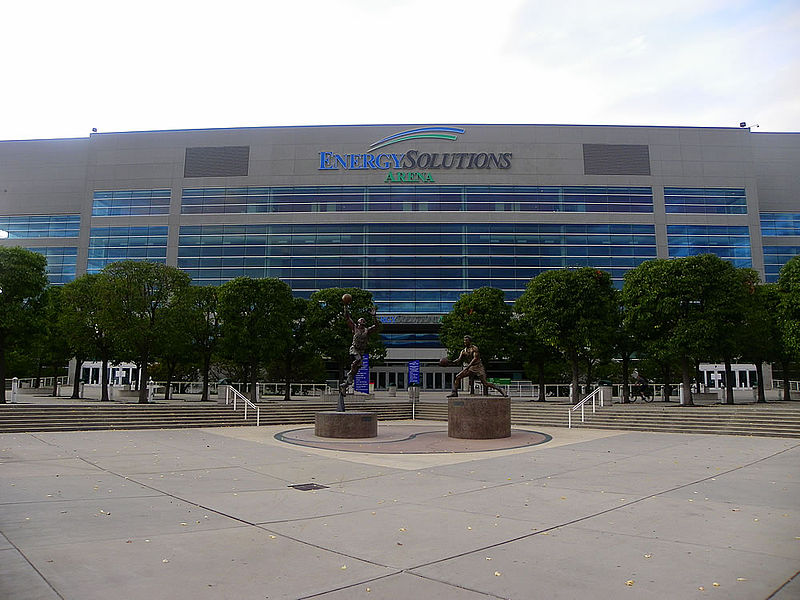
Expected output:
(780, 224)
(419, 267)
(110, 244)
(118, 203)
(731, 201)
(61, 262)
(774, 259)
(729, 242)
(410, 198)
(39, 226)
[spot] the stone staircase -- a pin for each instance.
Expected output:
(778, 419)
(16, 418)
(775, 419)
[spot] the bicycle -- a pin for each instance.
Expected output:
(645, 392)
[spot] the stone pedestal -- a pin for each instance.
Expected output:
(479, 417)
(352, 424)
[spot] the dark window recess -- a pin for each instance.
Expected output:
(222, 161)
(616, 159)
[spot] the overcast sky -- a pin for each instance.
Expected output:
(124, 66)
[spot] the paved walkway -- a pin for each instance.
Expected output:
(209, 513)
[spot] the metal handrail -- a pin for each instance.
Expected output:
(237, 395)
(592, 396)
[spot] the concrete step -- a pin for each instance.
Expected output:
(24, 418)
(759, 420)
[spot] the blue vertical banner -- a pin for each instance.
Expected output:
(362, 377)
(413, 372)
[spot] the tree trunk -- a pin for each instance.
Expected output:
(542, 393)
(666, 374)
(253, 383)
(2, 369)
(686, 375)
(728, 381)
(143, 391)
(104, 380)
(76, 381)
(55, 381)
(787, 396)
(37, 383)
(762, 397)
(626, 388)
(576, 393)
(206, 368)
(170, 374)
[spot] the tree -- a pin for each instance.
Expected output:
(789, 317)
(302, 360)
(572, 310)
(333, 336)
(54, 345)
(23, 279)
(531, 350)
(789, 286)
(256, 317)
(680, 306)
(173, 343)
(88, 323)
(728, 299)
(201, 322)
(764, 332)
(485, 317)
(141, 291)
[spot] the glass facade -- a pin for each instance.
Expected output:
(417, 198)
(110, 244)
(39, 226)
(409, 267)
(130, 203)
(61, 263)
(775, 257)
(727, 201)
(779, 224)
(729, 242)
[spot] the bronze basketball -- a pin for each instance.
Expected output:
(347, 299)
(444, 362)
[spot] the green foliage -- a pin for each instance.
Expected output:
(687, 309)
(256, 317)
(23, 279)
(88, 321)
(789, 285)
(301, 361)
(140, 294)
(485, 317)
(200, 308)
(572, 310)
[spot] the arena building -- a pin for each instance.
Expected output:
(416, 214)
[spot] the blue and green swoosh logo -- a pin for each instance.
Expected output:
(426, 133)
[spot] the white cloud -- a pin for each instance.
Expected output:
(176, 64)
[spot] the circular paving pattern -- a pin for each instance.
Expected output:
(412, 439)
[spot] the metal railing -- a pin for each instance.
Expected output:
(596, 397)
(794, 386)
(234, 395)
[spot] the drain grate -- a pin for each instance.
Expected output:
(307, 487)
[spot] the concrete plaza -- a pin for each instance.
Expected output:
(208, 513)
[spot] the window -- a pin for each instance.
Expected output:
(705, 200)
(130, 203)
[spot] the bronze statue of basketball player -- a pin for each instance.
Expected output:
(358, 347)
(472, 357)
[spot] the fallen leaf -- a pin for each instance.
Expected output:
(497, 573)
(630, 582)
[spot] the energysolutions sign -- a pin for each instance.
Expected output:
(414, 166)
